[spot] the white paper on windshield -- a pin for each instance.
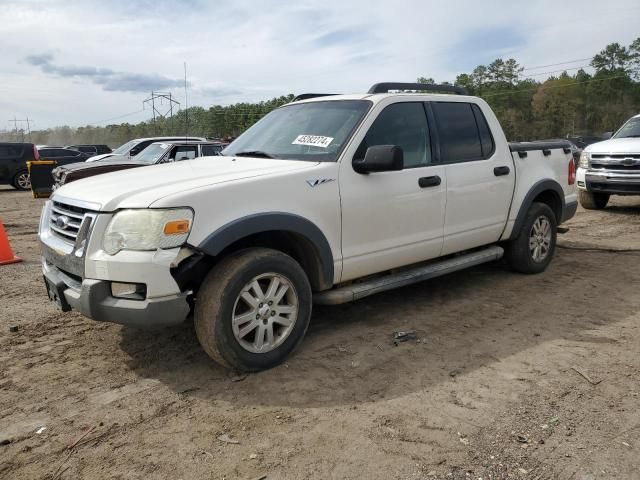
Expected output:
(312, 140)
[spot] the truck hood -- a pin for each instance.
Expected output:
(615, 146)
(137, 188)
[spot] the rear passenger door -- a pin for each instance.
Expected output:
(480, 176)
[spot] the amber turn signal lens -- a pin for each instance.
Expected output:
(176, 227)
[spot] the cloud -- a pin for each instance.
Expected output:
(340, 37)
(105, 57)
(42, 59)
(109, 80)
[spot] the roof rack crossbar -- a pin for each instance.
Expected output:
(304, 96)
(430, 87)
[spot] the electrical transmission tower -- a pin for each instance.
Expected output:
(20, 131)
(162, 105)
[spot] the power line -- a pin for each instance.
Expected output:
(555, 71)
(556, 64)
(116, 118)
(554, 86)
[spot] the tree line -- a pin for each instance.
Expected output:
(562, 105)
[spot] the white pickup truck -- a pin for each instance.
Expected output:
(327, 199)
(611, 167)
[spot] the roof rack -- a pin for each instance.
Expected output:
(304, 96)
(430, 87)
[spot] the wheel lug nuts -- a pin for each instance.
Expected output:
(258, 317)
(261, 305)
(270, 303)
(273, 313)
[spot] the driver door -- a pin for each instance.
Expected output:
(396, 218)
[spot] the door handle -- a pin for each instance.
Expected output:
(498, 171)
(426, 182)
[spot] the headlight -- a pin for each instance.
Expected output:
(147, 229)
(584, 160)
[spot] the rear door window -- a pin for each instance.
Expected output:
(186, 153)
(460, 137)
(48, 153)
(211, 150)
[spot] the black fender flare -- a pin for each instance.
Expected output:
(272, 221)
(538, 188)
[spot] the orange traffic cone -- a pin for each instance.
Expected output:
(6, 254)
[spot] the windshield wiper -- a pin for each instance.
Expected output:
(254, 153)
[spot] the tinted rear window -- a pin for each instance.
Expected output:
(458, 132)
(486, 139)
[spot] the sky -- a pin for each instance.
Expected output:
(71, 62)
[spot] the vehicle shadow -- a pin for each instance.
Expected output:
(464, 321)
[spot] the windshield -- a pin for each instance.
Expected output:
(124, 149)
(315, 131)
(152, 153)
(629, 129)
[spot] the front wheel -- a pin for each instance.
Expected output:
(21, 180)
(532, 250)
(253, 309)
(593, 200)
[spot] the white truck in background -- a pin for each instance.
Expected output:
(328, 199)
(611, 167)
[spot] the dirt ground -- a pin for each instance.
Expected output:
(513, 376)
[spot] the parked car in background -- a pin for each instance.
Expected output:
(325, 200)
(158, 152)
(62, 155)
(134, 147)
(575, 150)
(13, 164)
(611, 167)
(586, 140)
(91, 149)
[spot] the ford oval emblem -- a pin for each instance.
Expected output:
(62, 221)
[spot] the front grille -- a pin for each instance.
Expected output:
(615, 166)
(65, 221)
(614, 156)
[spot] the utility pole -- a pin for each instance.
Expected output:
(158, 106)
(15, 122)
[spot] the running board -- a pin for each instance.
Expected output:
(407, 277)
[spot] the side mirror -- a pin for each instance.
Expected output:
(380, 158)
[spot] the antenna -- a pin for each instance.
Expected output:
(186, 105)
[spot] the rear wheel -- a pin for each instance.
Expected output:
(593, 200)
(532, 250)
(21, 180)
(253, 309)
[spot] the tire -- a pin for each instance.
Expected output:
(593, 201)
(521, 253)
(21, 180)
(222, 298)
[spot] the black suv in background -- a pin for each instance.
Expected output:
(13, 164)
(63, 156)
(91, 149)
